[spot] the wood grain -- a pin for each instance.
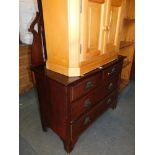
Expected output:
(25, 76)
(55, 102)
(127, 44)
(81, 32)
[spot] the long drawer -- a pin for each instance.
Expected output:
(87, 102)
(85, 86)
(81, 124)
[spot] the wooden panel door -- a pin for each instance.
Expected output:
(111, 26)
(99, 27)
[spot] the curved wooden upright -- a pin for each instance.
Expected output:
(39, 54)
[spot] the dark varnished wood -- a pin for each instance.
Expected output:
(37, 52)
(42, 91)
(85, 121)
(111, 72)
(110, 86)
(41, 28)
(66, 115)
(132, 74)
(85, 86)
(85, 103)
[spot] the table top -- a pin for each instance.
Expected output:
(65, 80)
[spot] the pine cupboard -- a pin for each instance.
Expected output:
(81, 35)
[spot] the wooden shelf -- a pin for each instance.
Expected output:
(123, 84)
(124, 44)
(129, 19)
(126, 62)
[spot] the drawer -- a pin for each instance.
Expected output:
(84, 86)
(111, 72)
(80, 125)
(87, 102)
(111, 85)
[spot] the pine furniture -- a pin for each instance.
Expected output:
(81, 35)
(127, 40)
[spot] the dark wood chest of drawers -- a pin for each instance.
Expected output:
(70, 105)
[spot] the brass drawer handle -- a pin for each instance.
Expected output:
(110, 87)
(86, 121)
(113, 70)
(87, 103)
(109, 101)
(89, 85)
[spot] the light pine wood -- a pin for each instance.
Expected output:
(55, 15)
(130, 9)
(97, 1)
(61, 19)
(96, 62)
(74, 33)
(94, 10)
(127, 46)
(111, 27)
(90, 29)
(124, 44)
(125, 72)
(128, 51)
(81, 32)
(116, 3)
(102, 24)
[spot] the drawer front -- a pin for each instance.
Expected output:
(80, 125)
(111, 85)
(111, 72)
(87, 102)
(84, 86)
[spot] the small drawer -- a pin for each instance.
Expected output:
(87, 102)
(111, 85)
(81, 124)
(111, 99)
(84, 86)
(111, 72)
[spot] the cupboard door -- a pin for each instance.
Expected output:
(90, 28)
(111, 26)
(99, 27)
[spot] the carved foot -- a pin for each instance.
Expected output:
(68, 146)
(114, 106)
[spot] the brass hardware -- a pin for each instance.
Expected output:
(110, 87)
(113, 70)
(89, 85)
(87, 103)
(86, 121)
